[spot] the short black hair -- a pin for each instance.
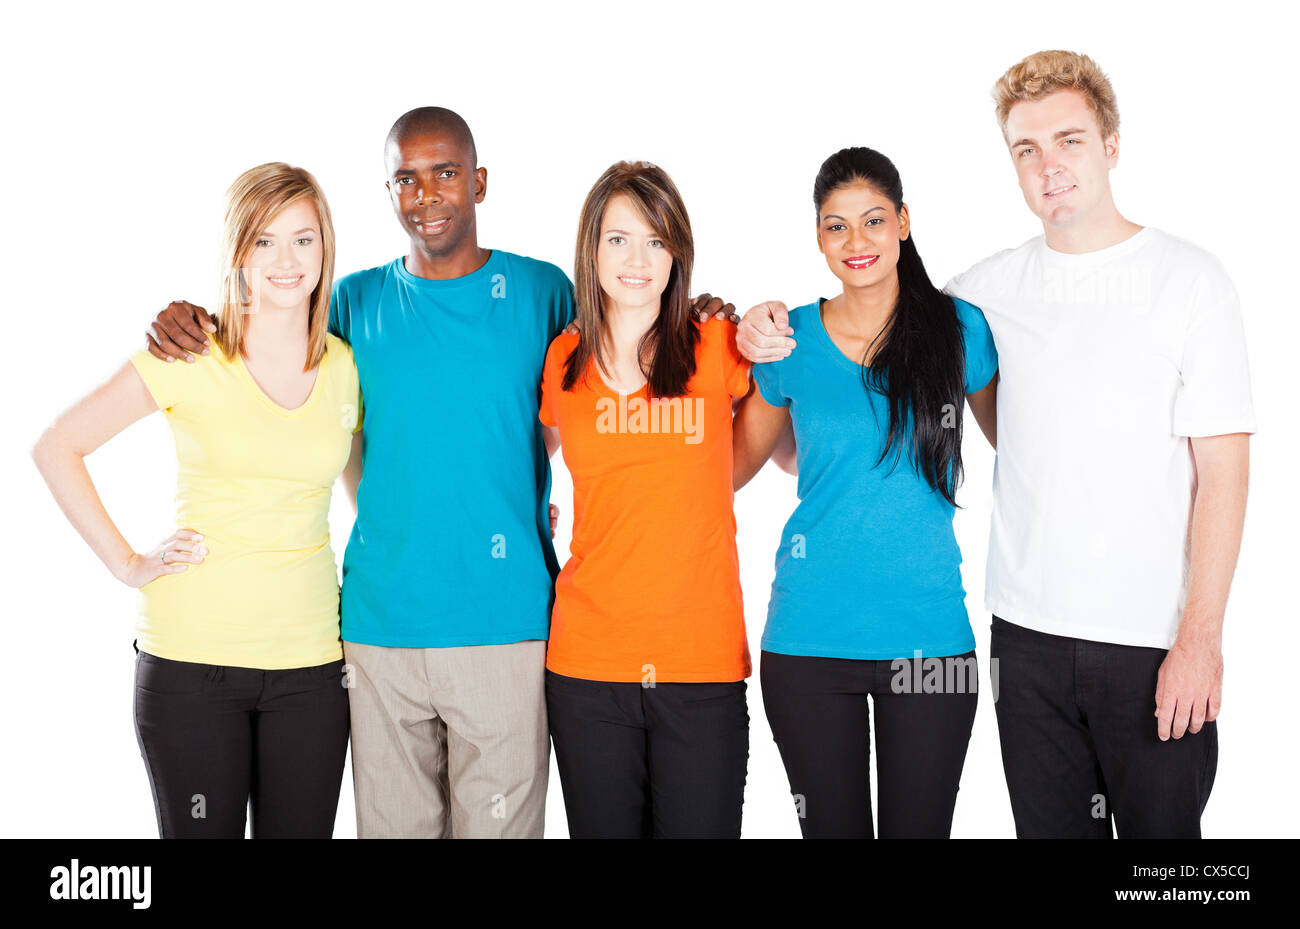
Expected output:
(427, 120)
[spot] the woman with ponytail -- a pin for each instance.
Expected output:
(867, 599)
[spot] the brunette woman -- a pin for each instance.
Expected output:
(647, 660)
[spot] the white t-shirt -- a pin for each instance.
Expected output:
(1109, 362)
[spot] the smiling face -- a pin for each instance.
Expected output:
(859, 231)
(632, 262)
(434, 184)
(1062, 161)
(283, 266)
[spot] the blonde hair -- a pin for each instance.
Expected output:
(255, 198)
(1044, 73)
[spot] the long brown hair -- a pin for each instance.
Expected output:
(670, 343)
(255, 198)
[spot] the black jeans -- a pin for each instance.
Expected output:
(212, 737)
(666, 761)
(821, 722)
(1079, 743)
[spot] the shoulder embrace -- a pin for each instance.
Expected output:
(714, 328)
(798, 315)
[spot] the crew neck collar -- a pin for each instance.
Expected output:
(489, 267)
(1096, 256)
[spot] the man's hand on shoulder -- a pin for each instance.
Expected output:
(764, 334)
(179, 332)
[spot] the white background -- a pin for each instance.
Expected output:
(126, 122)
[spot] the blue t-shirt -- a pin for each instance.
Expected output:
(868, 565)
(452, 544)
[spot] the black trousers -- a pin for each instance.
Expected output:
(666, 761)
(821, 722)
(214, 737)
(1079, 744)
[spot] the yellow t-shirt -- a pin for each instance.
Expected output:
(254, 479)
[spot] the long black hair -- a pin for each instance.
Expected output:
(919, 365)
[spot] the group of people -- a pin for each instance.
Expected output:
(1104, 361)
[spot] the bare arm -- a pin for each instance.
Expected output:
(60, 455)
(785, 455)
(1189, 687)
(551, 436)
(755, 432)
(984, 406)
(352, 470)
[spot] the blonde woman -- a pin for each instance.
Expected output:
(238, 692)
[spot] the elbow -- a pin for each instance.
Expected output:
(43, 449)
(50, 448)
(741, 475)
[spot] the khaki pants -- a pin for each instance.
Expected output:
(449, 742)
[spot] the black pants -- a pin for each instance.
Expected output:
(666, 761)
(213, 737)
(821, 721)
(1079, 744)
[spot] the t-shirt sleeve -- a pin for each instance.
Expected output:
(552, 376)
(1214, 397)
(354, 389)
(338, 310)
(768, 378)
(562, 308)
(735, 368)
(961, 287)
(167, 382)
(981, 354)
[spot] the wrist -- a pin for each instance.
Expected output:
(1197, 638)
(122, 569)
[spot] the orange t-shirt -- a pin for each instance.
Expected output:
(652, 588)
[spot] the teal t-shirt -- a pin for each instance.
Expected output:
(868, 566)
(452, 544)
